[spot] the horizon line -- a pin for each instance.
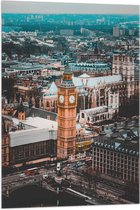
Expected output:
(29, 7)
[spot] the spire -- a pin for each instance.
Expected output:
(67, 81)
(67, 70)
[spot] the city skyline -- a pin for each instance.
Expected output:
(70, 104)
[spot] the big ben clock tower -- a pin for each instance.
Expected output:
(67, 103)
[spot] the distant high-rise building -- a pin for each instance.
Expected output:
(116, 31)
(66, 32)
(131, 32)
(122, 32)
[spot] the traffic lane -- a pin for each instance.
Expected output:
(117, 192)
(8, 179)
(17, 178)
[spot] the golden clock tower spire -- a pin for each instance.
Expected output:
(67, 102)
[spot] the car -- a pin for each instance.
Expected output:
(22, 175)
(58, 167)
(45, 176)
(80, 163)
(72, 166)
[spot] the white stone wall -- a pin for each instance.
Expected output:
(23, 137)
(123, 64)
(113, 102)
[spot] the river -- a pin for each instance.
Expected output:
(34, 196)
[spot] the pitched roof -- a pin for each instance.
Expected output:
(106, 79)
(53, 89)
(77, 82)
(36, 112)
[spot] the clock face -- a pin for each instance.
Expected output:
(72, 99)
(61, 98)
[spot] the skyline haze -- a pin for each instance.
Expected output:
(66, 8)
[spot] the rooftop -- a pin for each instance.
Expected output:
(95, 110)
(35, 129)
(105, 79)
(96, 65)
(27, 66)
(84, 76)
(51, 91)
(36, 112)
(39, 122)
(122, 140)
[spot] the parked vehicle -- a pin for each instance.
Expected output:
(45, 176)
(58, 167)
(22, 175)
(31, 171)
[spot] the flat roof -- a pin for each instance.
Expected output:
(41, 123)
(38, 129)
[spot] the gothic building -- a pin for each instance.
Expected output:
(126, 66)
(67, 102)
(49, 98)
(122, 86)
(5, 142)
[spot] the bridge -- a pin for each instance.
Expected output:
(73, 182)
(9, 187)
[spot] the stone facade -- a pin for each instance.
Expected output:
(67, 102)
(5, 142)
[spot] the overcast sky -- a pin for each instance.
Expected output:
(70, 8)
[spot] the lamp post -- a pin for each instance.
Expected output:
(57, 196)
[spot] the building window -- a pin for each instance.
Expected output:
(4, 140)
(111, 99)
(4, 158)
(4, 150)
(83, 115)
(26, 153)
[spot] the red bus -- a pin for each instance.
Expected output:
(31, 171)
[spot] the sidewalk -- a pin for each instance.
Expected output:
(112, 179)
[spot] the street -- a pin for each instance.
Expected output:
(74, 174)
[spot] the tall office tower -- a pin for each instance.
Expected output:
(116, 31)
